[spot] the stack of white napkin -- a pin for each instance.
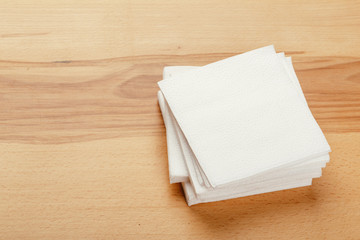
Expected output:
(238, 127)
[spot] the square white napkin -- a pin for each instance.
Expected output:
(239, 128)
(177, 168)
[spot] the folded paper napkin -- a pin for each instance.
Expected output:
(238, 127)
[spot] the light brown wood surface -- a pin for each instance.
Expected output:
(82, 142)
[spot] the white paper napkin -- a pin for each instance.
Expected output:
(173, 141)
(239, 128)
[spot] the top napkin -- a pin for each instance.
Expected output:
(242, 116)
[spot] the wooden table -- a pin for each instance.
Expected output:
(82, 141)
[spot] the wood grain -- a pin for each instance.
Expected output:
(82, 142)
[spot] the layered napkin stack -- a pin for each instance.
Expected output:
(238, 127)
